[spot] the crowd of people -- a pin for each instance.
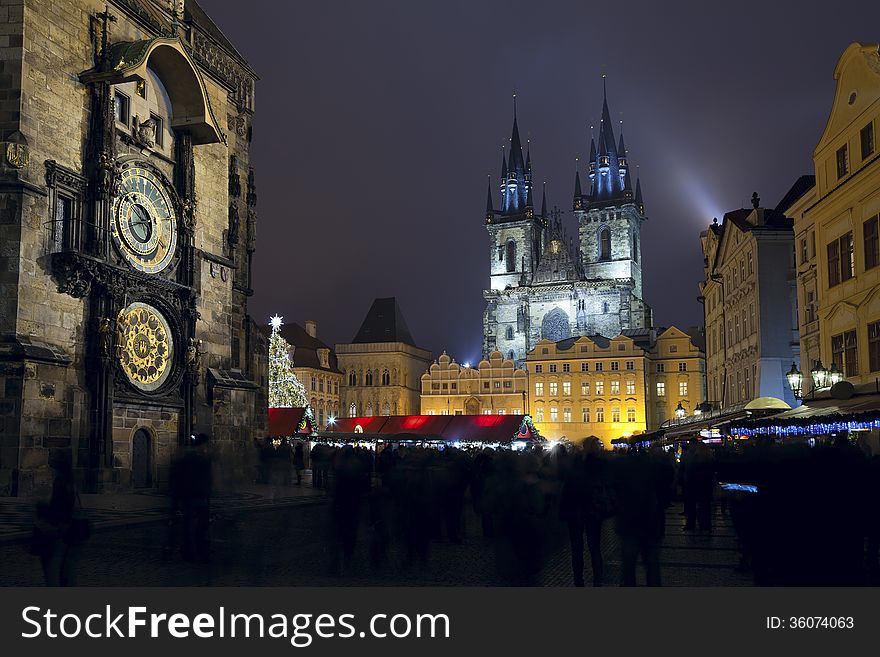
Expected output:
(803, 514)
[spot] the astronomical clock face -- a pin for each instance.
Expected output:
(147, 346)
(144, 226)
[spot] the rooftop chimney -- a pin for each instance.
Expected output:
(312, 328)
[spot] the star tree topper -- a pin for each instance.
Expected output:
(276, 322)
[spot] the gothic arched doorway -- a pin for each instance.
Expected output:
(141, 459)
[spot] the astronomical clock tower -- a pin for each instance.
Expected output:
(127, 224)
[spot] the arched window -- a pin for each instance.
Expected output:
(605, 244)
(511, 355)
(511, 255)
(510, 333)
(352, 410)
(386, 409)
(352, 379)
(386, 380)
(604, 306)
(368, 378)
(369, 411)
(635, 247)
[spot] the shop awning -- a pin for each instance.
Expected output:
(818, 416)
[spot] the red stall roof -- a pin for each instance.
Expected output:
(486, 428)
(349, 424)
(426, 425)
(286, 422)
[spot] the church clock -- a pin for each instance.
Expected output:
(145, 346)
(144, 224)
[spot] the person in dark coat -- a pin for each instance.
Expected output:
(640, 487)
(51, 533)
(299, 462)
(190, 480)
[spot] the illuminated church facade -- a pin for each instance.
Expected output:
(544, 285)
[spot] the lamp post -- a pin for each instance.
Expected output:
(820, 375)
(679, 412)
(822, 378)
(795, 381)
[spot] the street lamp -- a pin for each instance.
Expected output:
(679, 411)
(795, 381)
(820, 376)
(835, 375)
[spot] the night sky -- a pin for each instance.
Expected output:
(377, 122)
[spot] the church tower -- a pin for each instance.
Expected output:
(610, 217)
(515, 243)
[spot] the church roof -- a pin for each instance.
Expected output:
(384, 323)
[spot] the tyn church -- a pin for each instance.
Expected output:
(545, 285)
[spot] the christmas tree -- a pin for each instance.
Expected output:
(285, 390)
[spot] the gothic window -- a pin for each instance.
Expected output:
(604, 306)
(510, 333)
(511, 355)
(605, 244)
(368, 381)
(511, 256)
(500, 253)
(352, 410)
(556, 326)
(386, 409)
(352, 379)
(369, 412)
(635, 247)
(386, 380)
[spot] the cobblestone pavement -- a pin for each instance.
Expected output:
(288, 546)
(110, 510)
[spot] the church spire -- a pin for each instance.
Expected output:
(578, 202)
(516, 174)
(544, 200)
(608, 165)
(639, 202)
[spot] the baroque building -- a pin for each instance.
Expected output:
(127, 221)
(614, 388)
(494, 387)
(315, 365)
(837, 230)
(382, 365)
(544, 285)
(750, 304)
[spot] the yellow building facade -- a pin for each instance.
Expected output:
(494, 387)
(837, 229)
(613, 388)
